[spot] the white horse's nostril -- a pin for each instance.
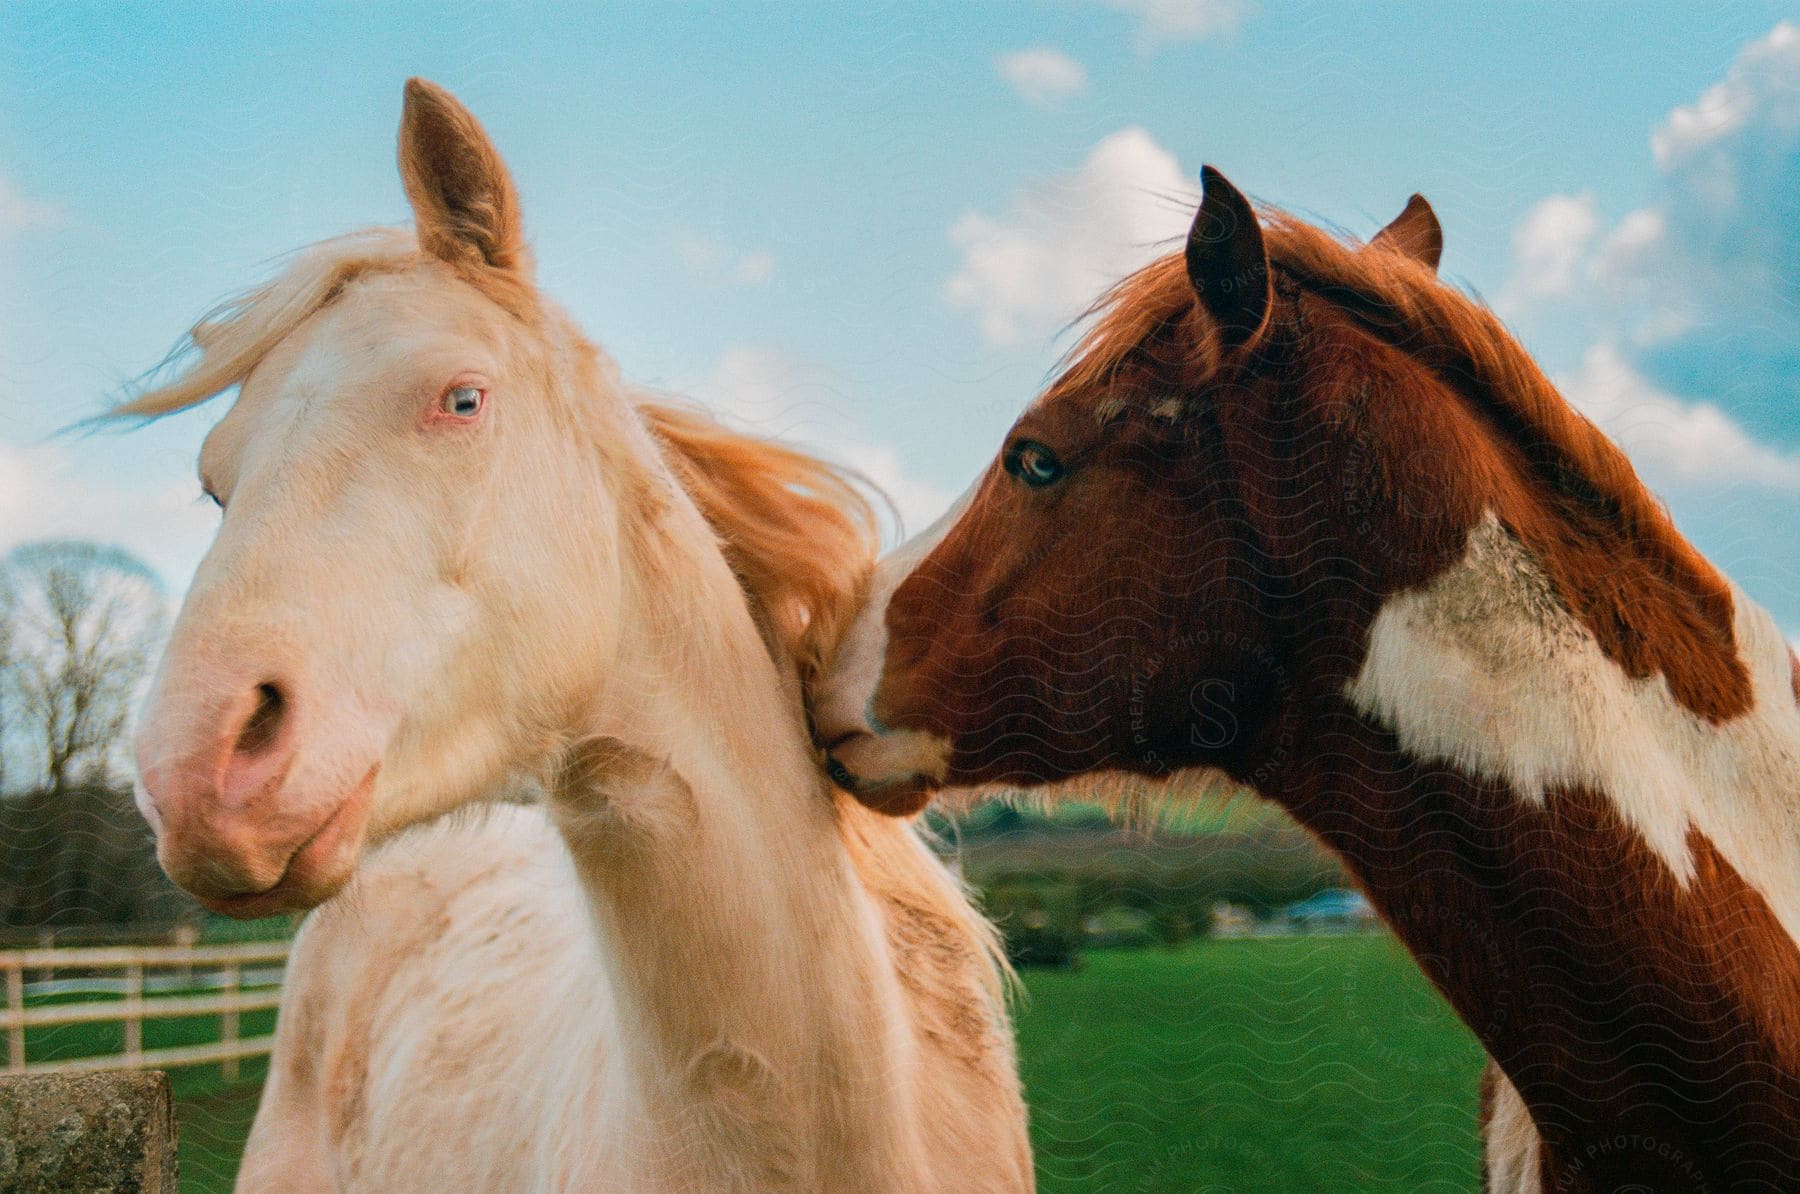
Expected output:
(263, 726)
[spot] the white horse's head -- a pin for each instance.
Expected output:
(435, 496)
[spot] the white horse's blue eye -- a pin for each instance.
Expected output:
(463, 401)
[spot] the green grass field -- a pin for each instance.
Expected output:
(1291, 1064)
(214, 1124)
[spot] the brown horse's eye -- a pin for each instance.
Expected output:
(1033, 463)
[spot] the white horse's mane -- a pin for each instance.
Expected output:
(228, 341)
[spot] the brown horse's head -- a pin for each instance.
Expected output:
(1013, 641)
(1191, 529)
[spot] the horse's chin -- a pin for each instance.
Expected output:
(894, 773)
(317, 870)
(290, 896)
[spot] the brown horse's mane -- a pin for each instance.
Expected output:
(1402, 303)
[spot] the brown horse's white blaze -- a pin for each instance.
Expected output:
(1300, 518)
(457, 550)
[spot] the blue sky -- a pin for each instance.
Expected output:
(865, 229)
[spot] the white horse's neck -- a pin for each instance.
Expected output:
(759, 1009)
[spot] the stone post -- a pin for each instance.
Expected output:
(112, 1131)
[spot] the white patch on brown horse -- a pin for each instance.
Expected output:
(1484, 669)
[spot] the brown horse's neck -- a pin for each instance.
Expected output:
(1559, 754)
(1622, 1005)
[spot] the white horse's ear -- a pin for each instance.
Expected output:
(464, 203)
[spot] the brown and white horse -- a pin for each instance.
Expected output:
(1299, 517)
(456, 547)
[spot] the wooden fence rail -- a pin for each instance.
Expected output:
(244, 977)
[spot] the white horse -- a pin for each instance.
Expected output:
(457, 548)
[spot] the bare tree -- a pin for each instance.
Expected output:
(6, 667)
(82, 625)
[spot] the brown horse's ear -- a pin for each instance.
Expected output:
(464, 204)
(1414, 233)
(1226, 261)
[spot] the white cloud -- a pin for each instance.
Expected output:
(712, 261)
(777, 393)
(1758, 87)
(781, 394)
(45, 494)
(753, 269)
(1042, 75)
(19, 212)
(1672, 440)
(1063, 239)
(917, 502)
(1625, 251)
(1720, 241)
(1164, 21)
(1696, 293)
(1549, 245)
